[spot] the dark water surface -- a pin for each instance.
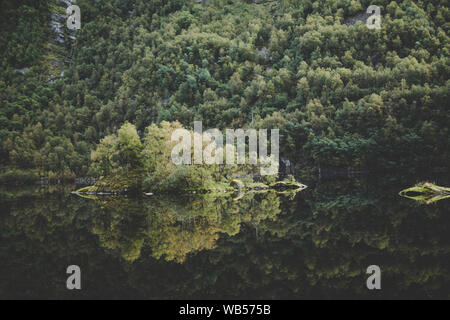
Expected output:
(316, 244)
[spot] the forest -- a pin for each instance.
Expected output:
(342, 95)
(87, 176)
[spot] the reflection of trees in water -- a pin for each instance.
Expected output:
(350, 229)
(321, 248)
(40, 235)
(261, 246)
(171, 229)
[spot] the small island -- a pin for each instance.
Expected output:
(426, 192)
(128, 164)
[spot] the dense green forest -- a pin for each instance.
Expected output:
(342, 95)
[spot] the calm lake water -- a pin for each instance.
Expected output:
(315, 244)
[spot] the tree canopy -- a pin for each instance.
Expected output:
(343, 94)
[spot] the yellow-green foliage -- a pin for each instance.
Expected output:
(129, 165)
(176, 228)
(426, 192)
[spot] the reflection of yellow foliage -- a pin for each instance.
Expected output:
(173, 230)
(179, 242)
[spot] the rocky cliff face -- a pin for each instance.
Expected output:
(58, 22)
(61, 40)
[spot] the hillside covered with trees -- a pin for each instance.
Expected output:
(342, 95)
